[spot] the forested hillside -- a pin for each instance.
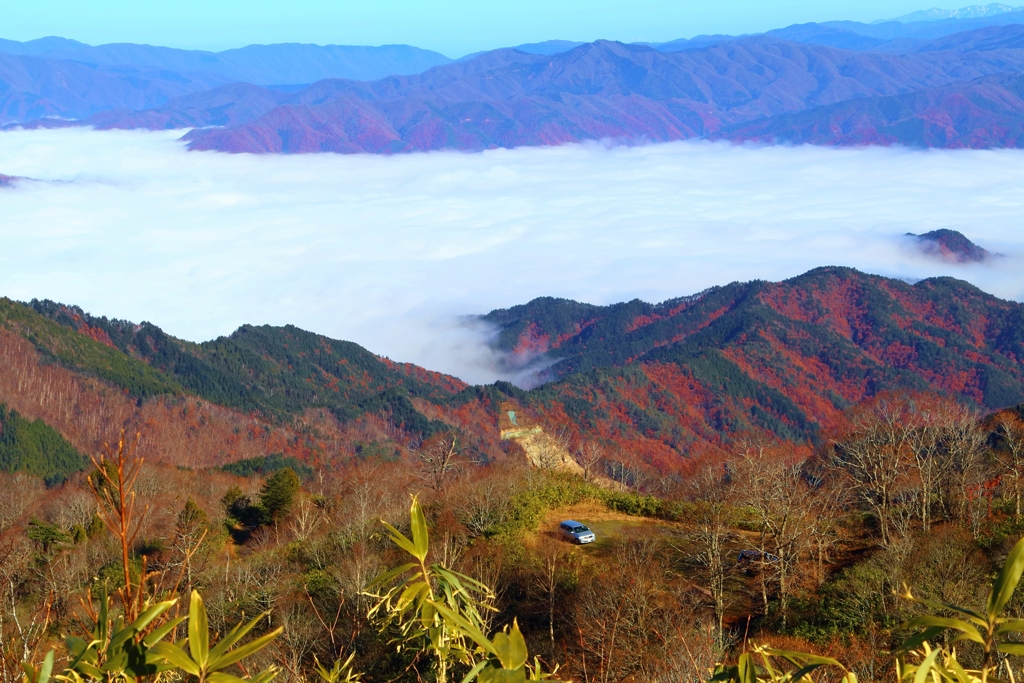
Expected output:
(657, 386)
(786, 359)
(36, 448)
(260, 392)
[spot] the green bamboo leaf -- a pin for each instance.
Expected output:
(972, 616)
(420, 536)
(457, 580)
(428, 613)
(503, 648)
(1011, 648)
(493, 675)
(389, 576)
(101, 617)
(147, 617)
(198, 631)
(401, 541)
(800, 673)
(766, 664)
(46, 668)
(243, 651)
(725, 673)
(269, 675)
(42, 674)
(746, 669)
(116, 660)
(159, 634)
(176, 657)
(155, 662)
(802, 657)
(89, 671)
(121, 637)
(411, 593)
(1006, 582)
(958, 671)
(78, 648)
(235, 635)
(221, 677)
(969, 631)
(475, 671)
(1010, 626)
(517, 648)
(917, 640)
(921, 675)
(466, 627)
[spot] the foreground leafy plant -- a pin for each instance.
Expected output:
(438, 610)
(206, 663)
(115, 651)
(988, 627)
(341, 672)
(761, 665)
(40, 674)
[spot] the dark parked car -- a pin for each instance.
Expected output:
(575, 532)
(755, 556)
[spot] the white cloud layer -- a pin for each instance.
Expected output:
(391, 251)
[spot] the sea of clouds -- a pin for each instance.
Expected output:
(393, 252)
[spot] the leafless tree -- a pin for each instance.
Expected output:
(21, 630)
(73, 507)
(551, 449)
(482, 505)
(878, 457)
(965, 443)
(689, 651)
(438, 459)
(12, 507)
(589, 456)
(552, 555)
(929, 460)
(190, 529)
(1010, 455)
(306, 519)
(363, 493)
(713, 520)
(772, 485)
(620, 610)
(827, 500)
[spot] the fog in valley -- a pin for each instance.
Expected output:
(393, 252)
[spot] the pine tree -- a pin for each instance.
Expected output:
(278, 494)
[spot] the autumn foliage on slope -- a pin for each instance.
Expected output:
(263, 391)
(652, 387)
(687, 376)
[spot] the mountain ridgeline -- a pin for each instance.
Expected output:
(666, 383)
(276, 372)
(784, 358)
(952, 83)
(738, 90)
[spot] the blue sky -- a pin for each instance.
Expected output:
(454, 27)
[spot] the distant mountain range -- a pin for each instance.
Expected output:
(281, 64)
(663, 382)
(948, 81)
(972, 12)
